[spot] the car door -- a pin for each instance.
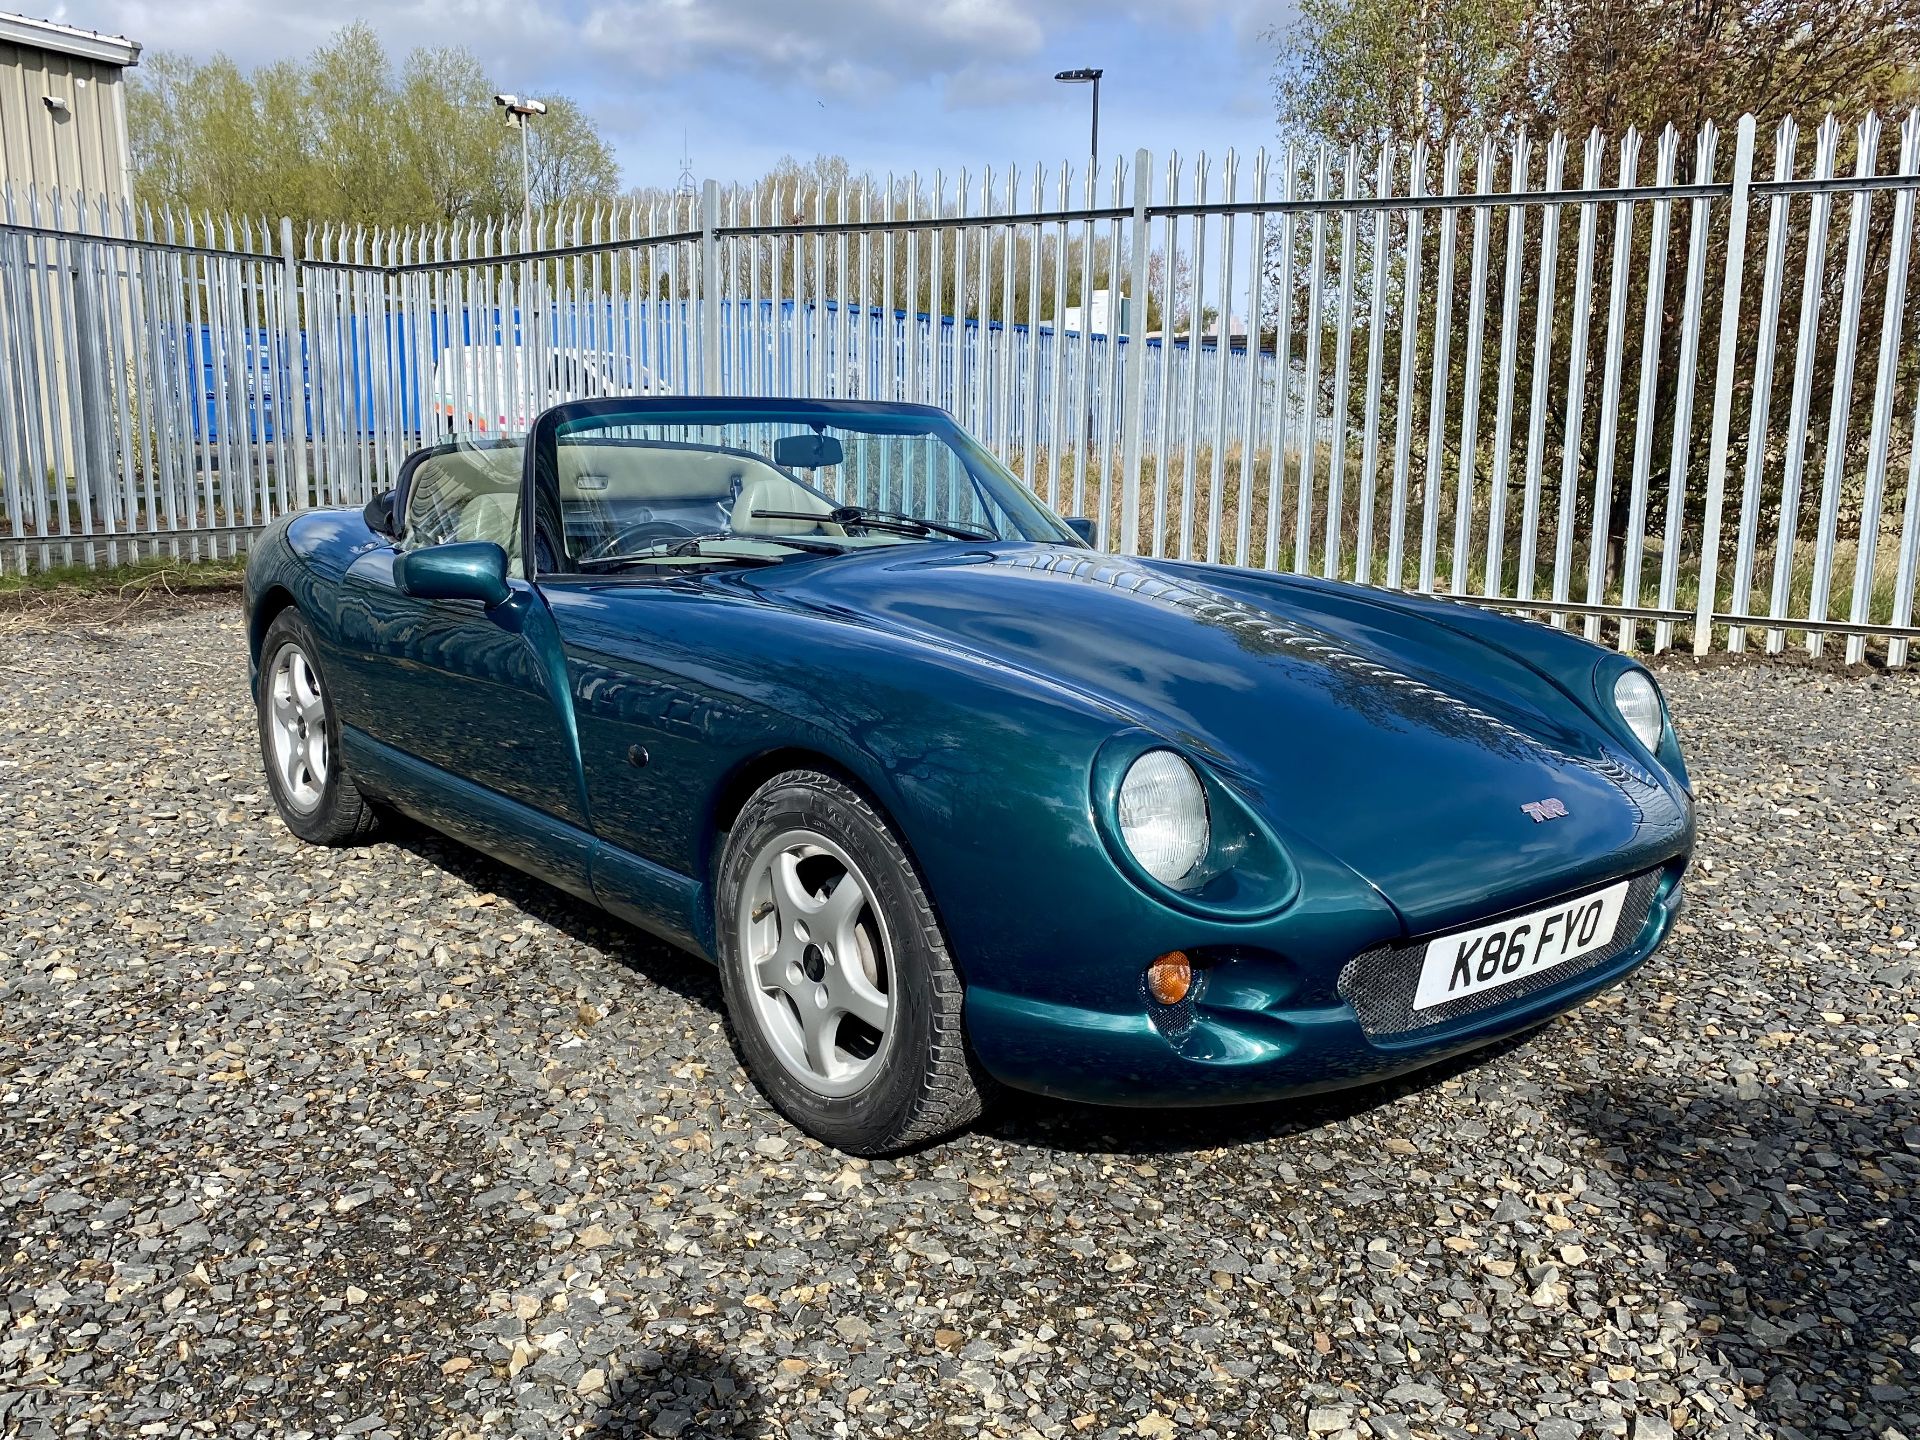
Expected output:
(475, 692)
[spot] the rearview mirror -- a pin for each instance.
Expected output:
(464, 570)
(808, 452)
(1085, 529)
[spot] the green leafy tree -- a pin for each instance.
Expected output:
(1360, 72)
(1586, 63)
(449, 138)
(827, 188)
(342, 137)
(1350, 70)
(567, 159)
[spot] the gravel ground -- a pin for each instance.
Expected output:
(392, 1141)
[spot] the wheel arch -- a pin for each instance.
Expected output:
(738, 785)
(266, 610)
(744, 779)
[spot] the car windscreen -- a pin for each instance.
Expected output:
(654, 484)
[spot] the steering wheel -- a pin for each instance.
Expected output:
(639, 534)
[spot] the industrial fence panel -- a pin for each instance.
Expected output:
(1658, 388)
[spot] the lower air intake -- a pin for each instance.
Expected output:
(1379, 984)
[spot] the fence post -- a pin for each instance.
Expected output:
(293, 417)
(1723, 385)
(710, 287)
(1134, 423)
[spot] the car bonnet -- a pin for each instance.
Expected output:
(1408, 751)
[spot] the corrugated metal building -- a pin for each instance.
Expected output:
(63, 107)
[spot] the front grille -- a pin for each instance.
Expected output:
(1379, 984)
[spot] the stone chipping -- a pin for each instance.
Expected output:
(396, 1142)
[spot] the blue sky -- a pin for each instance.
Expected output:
(890, 84)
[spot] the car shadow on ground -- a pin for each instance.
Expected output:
(654, 960)
(1029, 1119)
(1790, 1231)
(690, 1389)
(1113, 1130)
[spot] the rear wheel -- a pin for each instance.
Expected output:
(300, 740)
(845, 1003)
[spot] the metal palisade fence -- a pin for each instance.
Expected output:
(1653, 387)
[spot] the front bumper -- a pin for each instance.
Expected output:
(1247, 1038)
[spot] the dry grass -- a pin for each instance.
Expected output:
(1181, 516)
(46, 601)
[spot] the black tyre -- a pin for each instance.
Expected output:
(300, 740)
(845, 1004)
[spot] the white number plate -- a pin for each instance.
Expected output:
(1494, 955)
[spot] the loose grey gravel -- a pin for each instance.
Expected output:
(394, 1142)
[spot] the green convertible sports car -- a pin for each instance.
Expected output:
(820, 692)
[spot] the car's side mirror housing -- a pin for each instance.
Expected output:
(462, 570)
(1085, 529)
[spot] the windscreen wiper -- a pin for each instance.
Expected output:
(891, 520)
(691, 546)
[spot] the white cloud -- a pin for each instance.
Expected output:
(828, 46)
(832, 48)
(886, 82)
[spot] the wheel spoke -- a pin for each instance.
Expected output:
(286, 709)
(306, 688)
(317, 754)
(818, 1027)
(789, 894)
(856, 996)
(771, 969)
(834, 919)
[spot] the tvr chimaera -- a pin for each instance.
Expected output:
(819, 691)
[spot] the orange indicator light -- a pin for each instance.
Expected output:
(1170, 977)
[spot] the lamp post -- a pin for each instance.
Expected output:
(519, 112)
(1082, 77)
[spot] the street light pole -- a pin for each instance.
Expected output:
(526, 182)
(519, 112)
(1082, 77)
(1093, 140)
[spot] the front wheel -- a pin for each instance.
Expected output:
(845, 1003)
(300, 740)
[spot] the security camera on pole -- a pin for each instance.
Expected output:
(519, 111)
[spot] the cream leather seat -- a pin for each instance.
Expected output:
(770, 490)
(494, 517)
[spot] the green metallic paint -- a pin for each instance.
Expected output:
(1245, 874)
(459, 684)
(467, 570)
(1377, 748)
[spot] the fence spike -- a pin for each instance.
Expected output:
(832, 272)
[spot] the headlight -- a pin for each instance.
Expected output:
(1163, 815)
(1637, 699)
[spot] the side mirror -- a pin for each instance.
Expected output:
(1086, 529)
(464, 570)
(381, 517)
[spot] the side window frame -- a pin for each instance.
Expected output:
(404, 485)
